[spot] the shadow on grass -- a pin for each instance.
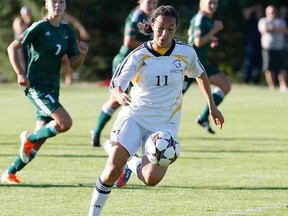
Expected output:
(61, 155)
(143, 187)
(216, 139)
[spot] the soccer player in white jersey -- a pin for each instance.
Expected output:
(157, 69)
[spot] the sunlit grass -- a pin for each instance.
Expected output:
(242, 170)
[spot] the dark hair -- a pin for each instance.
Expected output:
(164, 10)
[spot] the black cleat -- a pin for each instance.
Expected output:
(95, 140)
(205, 124)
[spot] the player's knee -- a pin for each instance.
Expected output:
(227, 88)
(150, 181)
(65, 124)
(151, 178)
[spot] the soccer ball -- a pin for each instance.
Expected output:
(162, 149)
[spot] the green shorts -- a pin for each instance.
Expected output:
(45, 101)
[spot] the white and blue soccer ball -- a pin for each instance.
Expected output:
(162, 149)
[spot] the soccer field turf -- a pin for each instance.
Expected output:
(242, 170)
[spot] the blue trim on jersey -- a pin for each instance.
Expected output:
(155, 53)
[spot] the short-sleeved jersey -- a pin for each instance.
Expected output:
(46, 46)
(200, 25)
(157, 84)
(131, 28)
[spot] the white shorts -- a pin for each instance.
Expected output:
(130, 135)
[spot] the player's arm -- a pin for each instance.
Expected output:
(204, 85)
(131, 42)
(84, 35)
(76, 61)
(200, 40)
(17, 28)
(14, 60)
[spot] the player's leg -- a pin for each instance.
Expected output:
(9, 176)
(187, 82)
(47, 105)
(223, 88)
(149, 173)
(114, 167)
(105, 115)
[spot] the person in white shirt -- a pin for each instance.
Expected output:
(273, 30)
(156, 69)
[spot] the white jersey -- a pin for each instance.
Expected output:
(157, 84)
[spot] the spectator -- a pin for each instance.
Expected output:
(273, 29)
(252, 68)
(20, 24)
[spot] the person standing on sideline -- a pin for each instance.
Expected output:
(20, 24)
(273, 31)
(132, 39)
(201, 35)
(252, 66)
(47, 40)
(157, 69)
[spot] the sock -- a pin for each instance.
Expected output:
(218, 96)
(18, 164)
(134, 163)
(44, 132)
(105, 115)
(100, 195)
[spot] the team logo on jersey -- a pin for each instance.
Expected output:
(65, 35)
(176, 67)
(47, 33)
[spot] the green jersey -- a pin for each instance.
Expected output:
(131, 28)
(47, 45)
(200, 25)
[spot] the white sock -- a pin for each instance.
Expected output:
(100, 195)
(106, 108)
(134, 163)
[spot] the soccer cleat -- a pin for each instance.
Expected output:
(205, 124)
(124, 178)
(9, 178)
(95, 140)
(26, 147)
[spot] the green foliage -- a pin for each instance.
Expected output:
(104, 20)
(242, 170)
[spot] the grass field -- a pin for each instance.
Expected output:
(242, 170)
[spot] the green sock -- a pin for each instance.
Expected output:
(105, 115)
(218, 97)
(18, 164)
(44, 132)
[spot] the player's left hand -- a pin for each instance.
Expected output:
(217, 117)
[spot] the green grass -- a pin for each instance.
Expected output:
(242, 170)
